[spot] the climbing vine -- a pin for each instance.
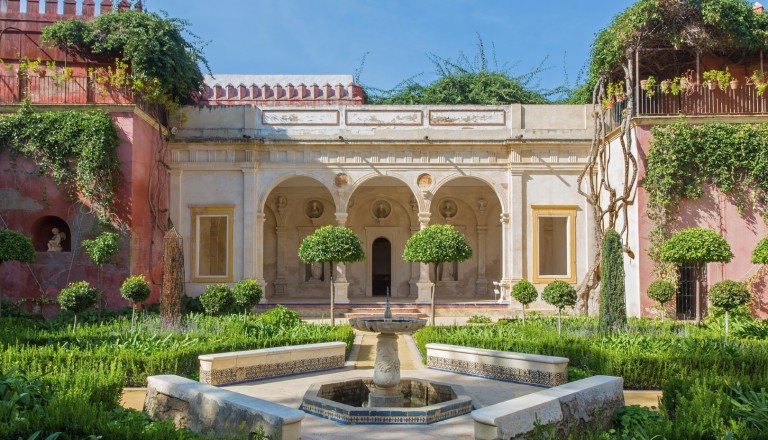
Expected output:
(78, 149)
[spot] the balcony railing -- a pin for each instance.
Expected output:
(52, 90)
(701, 100)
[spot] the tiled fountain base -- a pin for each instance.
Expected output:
(425, 402)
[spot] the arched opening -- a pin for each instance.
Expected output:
(381, 266)
(51, 234)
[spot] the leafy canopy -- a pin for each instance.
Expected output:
(153, 46)
(247, 293)
(15, 246)
(559, 294)
(662, 291)
(78, 297)
(696, 245)
(437, 244)
(729, 294)
(102, 248)
(524, 292)
(760, 254)
(217, 299)
(331, 244)
(135, 289)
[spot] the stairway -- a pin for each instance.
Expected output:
(397, 312)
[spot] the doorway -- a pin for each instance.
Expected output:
(381, 267)
(691, 291)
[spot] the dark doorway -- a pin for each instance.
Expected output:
(691, 286)
(381, 265)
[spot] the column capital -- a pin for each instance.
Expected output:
(341, 218)
(504, 217)
(424, 219)
(259, 217)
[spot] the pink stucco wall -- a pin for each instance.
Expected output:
(714, 210)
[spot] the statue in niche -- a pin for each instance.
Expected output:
(448, 209)
(448, 272)
(314, 209)
(54, 244)
(316, 271)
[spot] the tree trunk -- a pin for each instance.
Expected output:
(726, 324)
(558, 322)
(523, 314)
(74, 325)
(333, 298)
(173, 279)
(434, 288)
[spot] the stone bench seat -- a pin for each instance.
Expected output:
(525, 368)
(216, 411)
(244, 366)
(560, 410)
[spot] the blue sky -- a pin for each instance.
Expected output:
(331, 36)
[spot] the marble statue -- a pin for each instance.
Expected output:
(54, 244)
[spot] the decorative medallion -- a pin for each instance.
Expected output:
(381, 209)
(448, 208)
(314, 209)
(341, 179)
(425, 182)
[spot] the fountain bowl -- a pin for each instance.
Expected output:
(387, 325)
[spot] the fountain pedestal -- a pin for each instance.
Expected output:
(386, 373)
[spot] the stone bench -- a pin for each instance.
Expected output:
(217, 412)
(559, 411)
(503, 365)
(244, 366)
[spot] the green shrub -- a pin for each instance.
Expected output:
(217, 299)
(661, 291)
(524, 293)
(613, 307)
(729, 295)
(247, 293)
(78, 297)
(192, 304)
(559, 294)
(760, 254)
(696, 245)
(280, 316)
(135, 289)
(479, 319)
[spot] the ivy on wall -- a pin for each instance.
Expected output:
(683, 158)
(78, 149)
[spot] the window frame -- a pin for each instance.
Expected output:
(198, 212)
(569, 212)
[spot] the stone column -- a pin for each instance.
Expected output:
(415, 270)
(249, 224)
(505, 257)
(280, 282)
(516, 246)
(481, 285)
(258, 250)
(341, 286)
(424, 285)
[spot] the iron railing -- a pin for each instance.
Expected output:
(703, 100)
(57, 90)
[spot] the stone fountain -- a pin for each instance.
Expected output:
(387, 399)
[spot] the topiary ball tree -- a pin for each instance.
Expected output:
(437, 244)
(728, 295)
(760, 254)
(247, 293)
(613, 306)
(14, 246)
(135, 289)
(331, 244)
(561, 295)
(697, 246)
(524, 293)
(217, 299)
(661, 291)
(101, 250)
(78, 297)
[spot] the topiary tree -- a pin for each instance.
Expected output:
(14, 246)
(247, 293)
(331, 244)
(217, 299)
(280, 316)
(78, 297)
(135, 289)
(697, 246)
(728, 295)
(101, 250)
(662, 291)
(524, 293)
(760, 254)
(437, 244)
(613, 305)
(560, 294)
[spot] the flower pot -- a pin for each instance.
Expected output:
(665, 85)
(734, 84)
(712, 84)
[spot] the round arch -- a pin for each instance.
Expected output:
(447, 180)
(370, 179)
(279, 179)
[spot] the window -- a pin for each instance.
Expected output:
(554, 247)
(212, 243)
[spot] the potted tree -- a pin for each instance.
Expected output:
(436, 244)
(14, 246)
(331, 244)
(696, 246)
(661, 291)
(728, 295)
(561, 295)
(524, 293)
(78, 297)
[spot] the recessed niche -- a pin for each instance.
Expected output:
(50, 233)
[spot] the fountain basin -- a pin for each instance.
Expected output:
(424, 402)
(387, 325)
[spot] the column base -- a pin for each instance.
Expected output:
(424, 291)
(385, 397)
(342, 293)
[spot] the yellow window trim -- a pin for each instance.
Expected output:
(213, 210)
(568, 211)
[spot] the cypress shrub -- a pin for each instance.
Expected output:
(613, 307)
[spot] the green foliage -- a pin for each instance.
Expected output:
(19, 395)
(78, 149)
(217, 299)
(559, 294)
(102, 248)
(524, 292)
(729, 294)
(135, 289)
(613, 307)
(78, 297)
(760, 254)
(280, 316)
(720, 77)
(15, 246)
(662, 291)
(331, 244)
(247, 293)
(437, 244)
(696, 245)
(163, 65)
(479, 319)
(751, 406)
